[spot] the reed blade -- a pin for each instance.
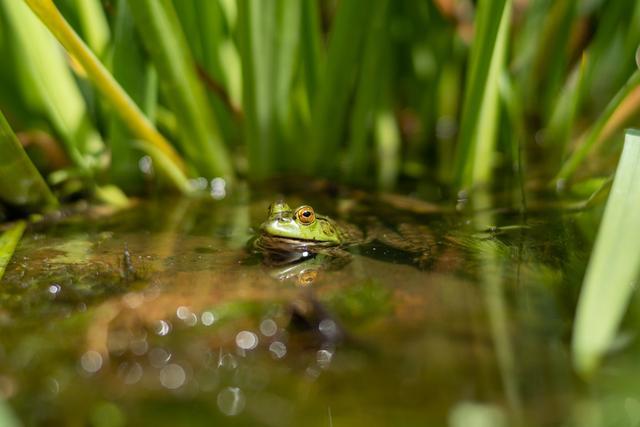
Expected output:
(480, 114)
(613, 268)
(20, 182)
(9, 240)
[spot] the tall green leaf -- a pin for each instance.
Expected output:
(337, 82)
(209, 34)
(311, 47)
(477, 141)
(387, 138)
(373, 75)
(269, 39)
(9, 240)
(117, 97)
(620, 106)
(46, 81)
(614, 265)
(163, 37)
(95, 27)
(135, 74)
(20, 182)
(564, 112)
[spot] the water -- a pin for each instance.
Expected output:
(159, 315)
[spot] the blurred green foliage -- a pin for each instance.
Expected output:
(362, 92)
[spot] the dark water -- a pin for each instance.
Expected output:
(159, 315)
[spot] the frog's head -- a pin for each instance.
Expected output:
(300, 224)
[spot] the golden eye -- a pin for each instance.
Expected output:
(305, 215)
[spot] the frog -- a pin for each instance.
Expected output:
(292, 235)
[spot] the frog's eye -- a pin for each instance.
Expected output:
(305, 215)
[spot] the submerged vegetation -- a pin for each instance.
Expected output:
(453, 101)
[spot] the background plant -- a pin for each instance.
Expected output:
(443, 91)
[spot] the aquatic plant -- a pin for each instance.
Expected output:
(256, 89)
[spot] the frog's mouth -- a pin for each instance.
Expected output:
(297, 240)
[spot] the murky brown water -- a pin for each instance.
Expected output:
(195, 330)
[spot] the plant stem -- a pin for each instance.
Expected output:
(120, 101)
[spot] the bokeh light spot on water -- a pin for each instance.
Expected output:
(328, 328)
(52, 384)
(218, 188)
(139, 346)
(91, 361)
(187, 316)
(183, 312)
(199, 184)
(145, 164)
(268, 327)
(130, 373)
(133, 299)
(246, 340)
(278, 349)
(162, 327)
(323, 357)
(207, 318)
(158, 357)
(227, 361)
(312, 373)
(172, 376)
(231, 401)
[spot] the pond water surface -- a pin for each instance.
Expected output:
(161, 315)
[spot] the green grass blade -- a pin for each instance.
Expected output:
(136, 75)
(547, 71)
(564, 113)
(117, 97)
(478, 127)
(199, 137)
(374, 74)
(269, 38)
(254, 20)
(47, 82)
(209, 36)
(448, 101)
(512, 102)
(9, 240)
(20, 182)
(337, 82)
(623, 105)
(311, 47)
(387, 137)
(614, 264)
(95, 27)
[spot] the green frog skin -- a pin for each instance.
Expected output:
(291, 235)
(301, 224)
